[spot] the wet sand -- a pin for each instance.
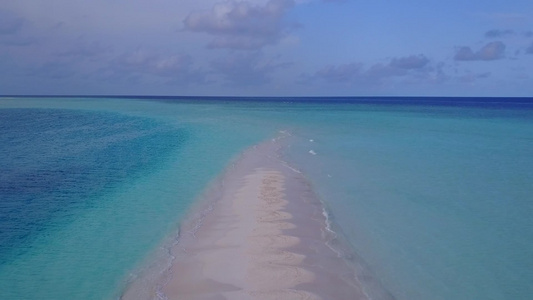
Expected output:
(264, 238)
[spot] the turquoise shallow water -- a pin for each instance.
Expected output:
(434, 199)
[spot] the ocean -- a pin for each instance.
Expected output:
(431, 196)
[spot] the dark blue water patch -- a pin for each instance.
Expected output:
(487, 102)
(55, 163)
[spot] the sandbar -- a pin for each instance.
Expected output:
(265, 237)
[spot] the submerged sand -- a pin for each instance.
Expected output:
(265, 237)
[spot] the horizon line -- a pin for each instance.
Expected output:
(250, 97)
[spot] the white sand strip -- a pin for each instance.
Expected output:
(244, 254)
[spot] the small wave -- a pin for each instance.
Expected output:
(290, 167)
(359, 270)
(167, 272)
(161, 295)
(327, 221)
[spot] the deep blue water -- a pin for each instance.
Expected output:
(56, 162)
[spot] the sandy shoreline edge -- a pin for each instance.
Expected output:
(265, 237)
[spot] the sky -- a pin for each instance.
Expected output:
(267, 47)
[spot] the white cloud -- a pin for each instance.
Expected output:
(340, 73)
(242, 25)
(491, 51)
(356, 73)
(410, 62)
(143, 62)
(250, 68)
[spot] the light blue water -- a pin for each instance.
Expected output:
(436, 200)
